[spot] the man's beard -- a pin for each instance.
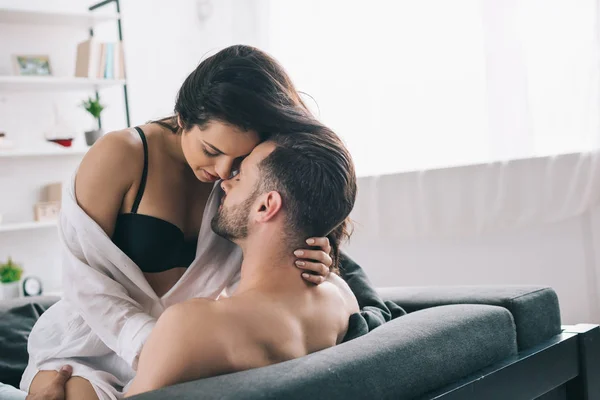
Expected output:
(232, 223)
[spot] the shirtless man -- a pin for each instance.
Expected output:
(288, 188)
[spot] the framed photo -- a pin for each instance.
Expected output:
(47, 211)
(32, 65)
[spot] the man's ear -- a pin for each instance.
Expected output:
(269, 206)
(179, 123)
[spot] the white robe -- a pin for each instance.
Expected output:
(108, 308)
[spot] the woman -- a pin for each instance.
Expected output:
(135, 222)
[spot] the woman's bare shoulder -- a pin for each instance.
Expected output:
(117, 151)
(118, 143)
(106, 173)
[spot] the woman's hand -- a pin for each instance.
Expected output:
(315, 263)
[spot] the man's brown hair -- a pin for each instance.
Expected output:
(314, 173)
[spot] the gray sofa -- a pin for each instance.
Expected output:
(454, 343)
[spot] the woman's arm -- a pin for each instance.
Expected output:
(104, 177)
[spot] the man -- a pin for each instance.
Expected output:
(288, 188)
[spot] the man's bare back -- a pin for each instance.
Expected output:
(201, 338)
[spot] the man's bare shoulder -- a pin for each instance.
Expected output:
(194, 334)
(184, 345)
(196, 304)
(187, 317)
(241, 330)
(342, 289)
(201, 321)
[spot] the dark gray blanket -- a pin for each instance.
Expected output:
(374, 311)
(17, 317)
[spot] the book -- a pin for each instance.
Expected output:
(109, 72)
(119, 62)
(100, 60)
(87, 62)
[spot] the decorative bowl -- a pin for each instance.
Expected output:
(66, 142)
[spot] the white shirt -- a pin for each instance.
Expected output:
(108, 307)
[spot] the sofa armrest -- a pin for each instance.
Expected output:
(402, 359)
(534, 308)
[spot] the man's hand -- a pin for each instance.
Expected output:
(56, 389)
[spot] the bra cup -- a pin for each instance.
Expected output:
(153, 244)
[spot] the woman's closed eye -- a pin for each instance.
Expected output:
(208, 153)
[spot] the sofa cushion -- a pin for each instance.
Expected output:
(534, 308)
(17, 318)
(406, 357)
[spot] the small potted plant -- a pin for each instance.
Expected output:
(10, 275)
(94, 107)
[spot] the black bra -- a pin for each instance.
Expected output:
(155, 245)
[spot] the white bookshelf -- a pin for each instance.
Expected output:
(24, 226)
(34, 163)
(43, 152)
(36, 83)
(80, 20)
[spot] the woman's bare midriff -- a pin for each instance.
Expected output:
(162, 282)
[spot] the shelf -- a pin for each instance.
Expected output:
(79, 20)
(27, 83)
(9, 227)
(43, 152)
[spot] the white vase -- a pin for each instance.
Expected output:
(9, 290)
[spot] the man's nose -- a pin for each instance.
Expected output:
(225, 186)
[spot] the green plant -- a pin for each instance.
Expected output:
(10, 272)
(93, 106)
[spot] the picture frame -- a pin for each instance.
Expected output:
(32, 65)
(46, 211)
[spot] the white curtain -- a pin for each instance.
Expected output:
(422, 84)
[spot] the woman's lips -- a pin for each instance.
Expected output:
(210, 177)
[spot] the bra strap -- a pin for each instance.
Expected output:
(140, 193)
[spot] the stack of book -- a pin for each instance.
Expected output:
(100, 60)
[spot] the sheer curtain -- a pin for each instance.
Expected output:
(423, 84)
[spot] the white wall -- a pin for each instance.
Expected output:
(164, 43)
(164, 47)
(550, 255)
(437, 83)
(447, 227)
